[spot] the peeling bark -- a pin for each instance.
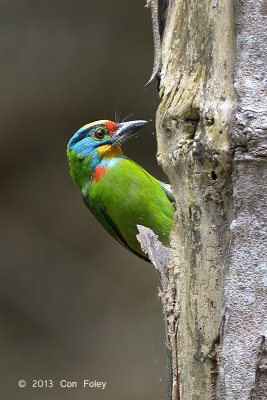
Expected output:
(158, 254)
(210, 130)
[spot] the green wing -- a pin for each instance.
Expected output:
(127, 196)
(111, 227)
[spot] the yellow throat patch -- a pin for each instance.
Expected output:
(108, 151)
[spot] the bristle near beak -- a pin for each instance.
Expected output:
(125, 130)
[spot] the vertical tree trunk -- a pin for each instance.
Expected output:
(210, 138)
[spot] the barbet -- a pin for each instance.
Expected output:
(119, 193)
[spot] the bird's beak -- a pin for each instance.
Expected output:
(125, 130)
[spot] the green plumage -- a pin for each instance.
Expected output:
(126, 196)
(121, 195)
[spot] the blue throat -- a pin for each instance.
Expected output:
(110, 162)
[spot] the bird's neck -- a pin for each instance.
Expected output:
(109, 152)
(85, 169)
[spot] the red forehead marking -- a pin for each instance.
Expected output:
(111, 126)
(99, 171)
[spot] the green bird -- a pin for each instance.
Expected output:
(118, 192)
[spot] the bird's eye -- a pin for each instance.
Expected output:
(100, 133)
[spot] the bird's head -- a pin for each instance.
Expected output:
(102, 139)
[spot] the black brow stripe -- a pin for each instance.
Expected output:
(84, 133)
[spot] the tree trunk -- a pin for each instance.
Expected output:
(210, 138)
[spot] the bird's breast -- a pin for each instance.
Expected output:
(104, 167)
(98, 173)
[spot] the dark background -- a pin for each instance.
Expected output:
(74, 303)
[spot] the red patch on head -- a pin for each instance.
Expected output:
(111, 127)
(99, 171)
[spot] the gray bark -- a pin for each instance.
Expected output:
(243, 372)
(210, 130)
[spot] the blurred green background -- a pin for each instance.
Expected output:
(74, 303)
